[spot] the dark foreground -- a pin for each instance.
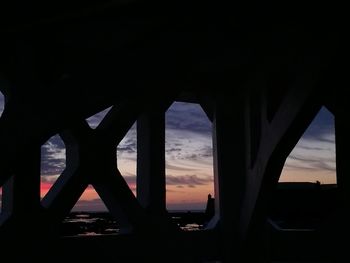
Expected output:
(300, 228)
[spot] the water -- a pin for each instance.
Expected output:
(92, 224)
(88, 224)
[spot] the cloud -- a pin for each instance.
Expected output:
(188, 180)
(187, 146)
(130, 179)
(311, 148)
(179, 181)
(328, 140)
(189, 151)
(311, 162)
(187, 116)
(49, 179)
(206, 151)
(53, 156)
(178, 168)
(326, 166)
(289, 166)
(127, 148)
(95, 120)
(174, 149)
(323, 124)
(314, 154)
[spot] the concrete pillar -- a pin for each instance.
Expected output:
(342, 133)
(21, 193)
(151, 161)
(230, 168)
(339, 228)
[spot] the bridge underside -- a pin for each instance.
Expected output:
(260, 76)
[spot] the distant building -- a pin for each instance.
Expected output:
(210, 208)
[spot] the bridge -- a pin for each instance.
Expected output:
(260, 76)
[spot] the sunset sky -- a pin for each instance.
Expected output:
(189, 160)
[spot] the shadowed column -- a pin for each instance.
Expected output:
(342, 132)
(151, 161)
(230, 168)
(342, 139)
(21, 193)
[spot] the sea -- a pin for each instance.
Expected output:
(102, 223)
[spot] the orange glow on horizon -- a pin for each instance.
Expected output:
(175, 195)
(187, 196)
(44, 188)
(88, 195)
(300, 175)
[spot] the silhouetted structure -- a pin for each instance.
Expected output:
(260, 76)
(210, 207)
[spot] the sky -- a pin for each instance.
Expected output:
(313, 158)
(189, 160)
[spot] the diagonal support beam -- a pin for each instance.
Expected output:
(277, 142)
(297, 109)
(92, 159)
(70, 185)
(120, 118)
(120, 201)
